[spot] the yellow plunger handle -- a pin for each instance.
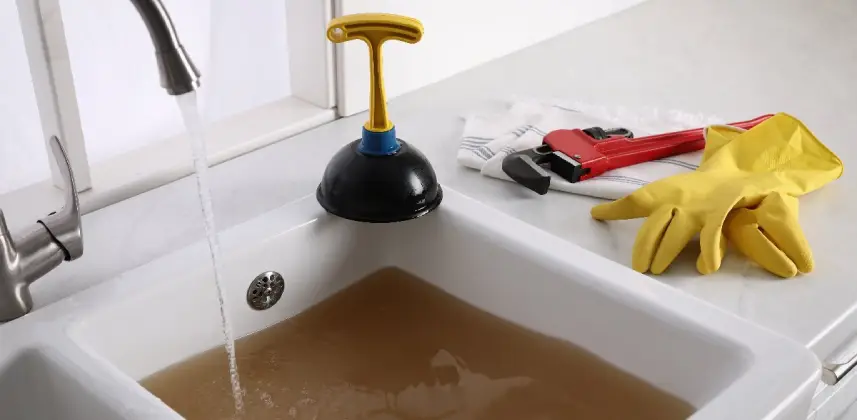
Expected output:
(374, 29)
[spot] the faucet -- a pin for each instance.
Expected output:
(29, 255)
(178, 74)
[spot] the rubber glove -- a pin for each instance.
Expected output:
(779, 155)
(769, 234)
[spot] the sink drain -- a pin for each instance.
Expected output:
(265, 290)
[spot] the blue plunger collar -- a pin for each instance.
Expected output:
(381, 143)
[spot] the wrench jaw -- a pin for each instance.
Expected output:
(525, 170)
(531, 167)
(567, 167)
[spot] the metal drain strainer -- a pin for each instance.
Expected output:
(265, 290)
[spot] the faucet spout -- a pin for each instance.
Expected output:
(178, 73)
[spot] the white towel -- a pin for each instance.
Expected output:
(489, 138)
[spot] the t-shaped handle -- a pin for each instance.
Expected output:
(375, 29)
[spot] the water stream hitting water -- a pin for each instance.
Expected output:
(190, 113)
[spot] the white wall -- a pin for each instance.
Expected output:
(239, 46)
(23, 156)
(459, 34)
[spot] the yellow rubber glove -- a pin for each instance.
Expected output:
(779, 155)
(769, 234)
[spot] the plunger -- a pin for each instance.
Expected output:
(378, 178)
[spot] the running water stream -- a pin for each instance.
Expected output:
(190, 113)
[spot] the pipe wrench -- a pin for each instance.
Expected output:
(580, 154)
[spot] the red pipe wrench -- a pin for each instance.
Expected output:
(577, 154)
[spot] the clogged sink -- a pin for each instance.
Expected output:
(164, 312)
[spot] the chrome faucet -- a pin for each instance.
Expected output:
(29, 255)
(178, 74)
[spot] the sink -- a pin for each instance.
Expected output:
(161, 313)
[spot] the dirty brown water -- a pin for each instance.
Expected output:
(394, 347)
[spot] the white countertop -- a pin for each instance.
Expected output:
(734, 59)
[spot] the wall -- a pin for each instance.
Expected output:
(458, 35)
(239, 47)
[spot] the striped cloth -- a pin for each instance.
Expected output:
(488, 138)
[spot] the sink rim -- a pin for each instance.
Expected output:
(768, 353)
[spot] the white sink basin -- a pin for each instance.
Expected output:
(121, 331)
(41, 384)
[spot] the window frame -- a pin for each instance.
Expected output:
(312, 103)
